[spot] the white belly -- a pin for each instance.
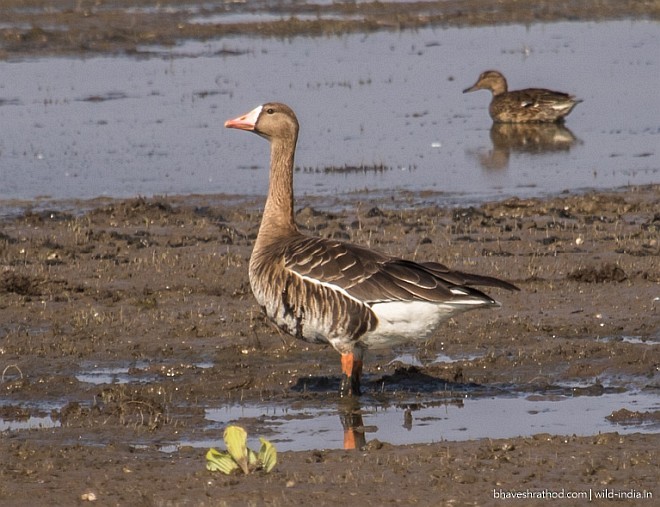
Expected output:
(401, 322)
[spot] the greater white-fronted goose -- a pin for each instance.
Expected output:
(523, 106)
(328, 291)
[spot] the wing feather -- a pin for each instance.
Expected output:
(374, 277)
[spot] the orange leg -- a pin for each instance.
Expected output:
(351, 368)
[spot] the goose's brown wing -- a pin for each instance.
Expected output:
(374, 277)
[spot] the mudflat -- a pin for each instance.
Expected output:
(161, 283)
(86, 27)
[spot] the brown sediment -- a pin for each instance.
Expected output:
(38, 28)
(161, 284)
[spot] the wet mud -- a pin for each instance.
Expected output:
(123, 321)
(87, 27)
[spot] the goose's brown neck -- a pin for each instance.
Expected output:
(278, 217)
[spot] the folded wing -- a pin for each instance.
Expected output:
(373, 277)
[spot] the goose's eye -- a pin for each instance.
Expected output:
(270, 110)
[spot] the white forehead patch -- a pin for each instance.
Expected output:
(253, 115)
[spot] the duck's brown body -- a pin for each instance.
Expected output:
(327, 291)
(523, 106)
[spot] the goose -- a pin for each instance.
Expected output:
(328, 291)
(522, 106)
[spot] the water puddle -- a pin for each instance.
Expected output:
(80, 128)
(635, 340)
(408, 359)
(14, 417)
(30, 423)
(267, 17)
(457, 419)
(140, 372)
(113, 375)
(473, 412)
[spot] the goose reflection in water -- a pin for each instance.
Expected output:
(526, 138)
(355, 431)
(350, 414)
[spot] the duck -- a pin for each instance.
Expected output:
(523, 106)
(328, 291)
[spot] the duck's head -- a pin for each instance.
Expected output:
(489, 80)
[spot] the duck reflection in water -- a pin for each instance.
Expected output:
(524, 138)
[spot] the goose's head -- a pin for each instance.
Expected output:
(271, 121)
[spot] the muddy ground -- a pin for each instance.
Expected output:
(138, 27)
(163, 283)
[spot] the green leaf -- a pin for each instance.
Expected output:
(267, 454)
(220, 462)
(235, 440)
(238, 456)
(253, 459)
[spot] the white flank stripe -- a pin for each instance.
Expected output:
(330, 286)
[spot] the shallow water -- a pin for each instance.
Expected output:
(138, 372)
(388, 102)
(461, 412)
(454, 420)
(309, 426)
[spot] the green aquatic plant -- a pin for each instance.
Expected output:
(238, 456)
